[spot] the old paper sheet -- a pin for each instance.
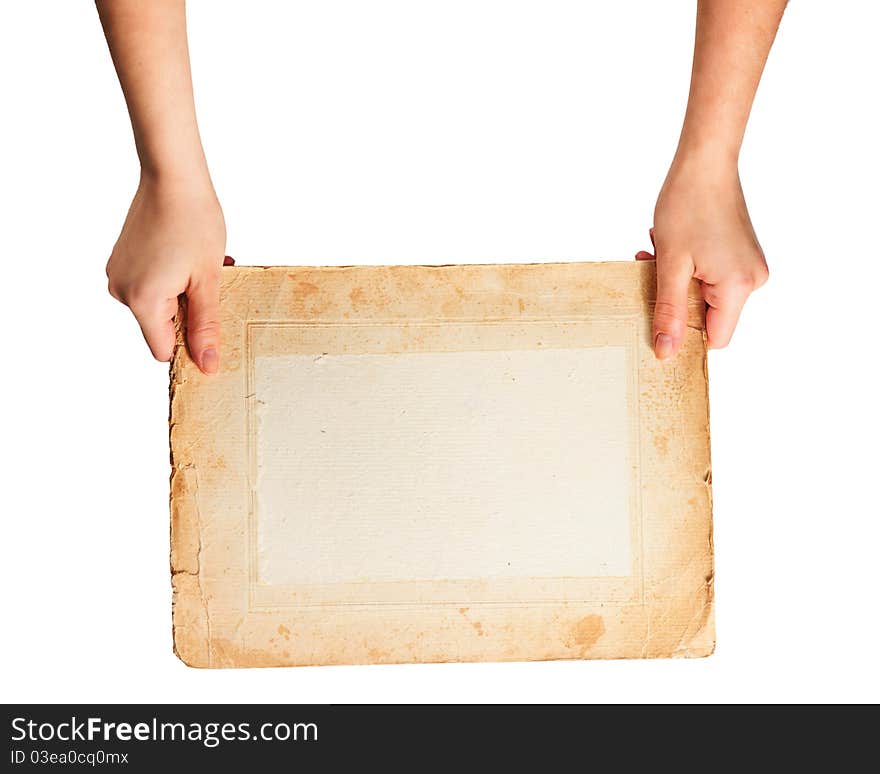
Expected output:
(441, 463)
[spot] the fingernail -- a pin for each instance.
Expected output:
(210, 361)
(663, 346)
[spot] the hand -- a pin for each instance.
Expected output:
(173, 241)
(702, 229)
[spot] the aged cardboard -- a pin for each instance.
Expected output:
(441, 463)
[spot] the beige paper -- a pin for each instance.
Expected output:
(441, 463)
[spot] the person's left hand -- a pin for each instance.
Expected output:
(702, 229)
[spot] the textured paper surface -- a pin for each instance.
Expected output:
(443, 464)
(420, 463)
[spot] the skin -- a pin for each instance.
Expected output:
(174, 237)
(701, 223)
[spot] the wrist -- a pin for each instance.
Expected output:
(710, 154)
(712, 161)
(173, 159)
(188, 180)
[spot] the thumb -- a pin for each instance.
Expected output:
(670, 310)
(203, 322)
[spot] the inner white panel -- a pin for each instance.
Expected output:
(442, 465)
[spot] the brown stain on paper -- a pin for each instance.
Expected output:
(585, 633)
(357, 297)
(478, 625)
(661, 443)
(307, 288)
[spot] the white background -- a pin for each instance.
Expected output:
(418, 132)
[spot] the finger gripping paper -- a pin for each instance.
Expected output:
(441, 463)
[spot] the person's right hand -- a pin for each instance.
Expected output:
(173, 241)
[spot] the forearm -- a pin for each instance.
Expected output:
(702, 227)
(148, 44)
(174, 237)
(733, 39)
